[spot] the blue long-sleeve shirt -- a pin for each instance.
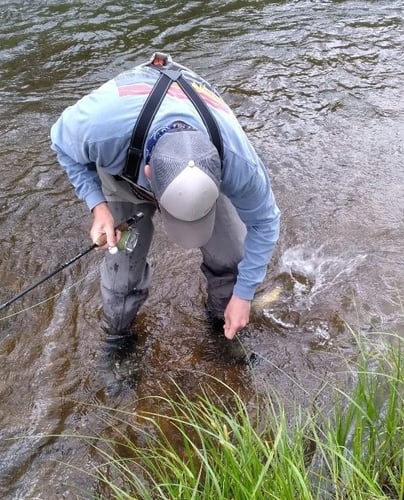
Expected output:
(95, 133)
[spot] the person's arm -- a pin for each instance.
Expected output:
(73, 156)
(248, 187)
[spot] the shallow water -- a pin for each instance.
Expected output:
(318, 88)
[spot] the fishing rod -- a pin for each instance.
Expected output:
(127, 241)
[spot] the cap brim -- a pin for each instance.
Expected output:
(193, 234)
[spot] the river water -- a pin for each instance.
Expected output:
(318, 86)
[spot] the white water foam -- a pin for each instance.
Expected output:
(315, 273)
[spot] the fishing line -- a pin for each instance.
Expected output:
(250, 352)
(128, 241)
(51, 297)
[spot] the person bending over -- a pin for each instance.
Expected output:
(190, 159)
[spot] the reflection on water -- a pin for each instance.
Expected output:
(317, 86)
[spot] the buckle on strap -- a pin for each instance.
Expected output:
(133, 152)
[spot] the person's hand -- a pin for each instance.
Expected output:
(236, 316)
(103, 231)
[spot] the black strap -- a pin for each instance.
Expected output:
(206, 115)
(168, 75)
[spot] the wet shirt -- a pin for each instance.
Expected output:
(96, 131)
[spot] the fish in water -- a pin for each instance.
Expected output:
(263, 300)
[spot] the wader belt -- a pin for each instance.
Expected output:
(168, 75)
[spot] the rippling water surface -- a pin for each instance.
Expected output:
(318, 88)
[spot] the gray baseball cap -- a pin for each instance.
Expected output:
(185, 178)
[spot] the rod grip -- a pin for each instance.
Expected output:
(102, 238)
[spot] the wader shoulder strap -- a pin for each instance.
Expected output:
(168, 75)
(207, 117)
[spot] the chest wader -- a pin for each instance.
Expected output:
(122, 272)
(125, 278)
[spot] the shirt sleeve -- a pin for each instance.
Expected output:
(73, 156)
(248, 186)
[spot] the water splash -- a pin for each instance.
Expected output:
(314, 274)
(311, 295)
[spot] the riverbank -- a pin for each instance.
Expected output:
(200, 447)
